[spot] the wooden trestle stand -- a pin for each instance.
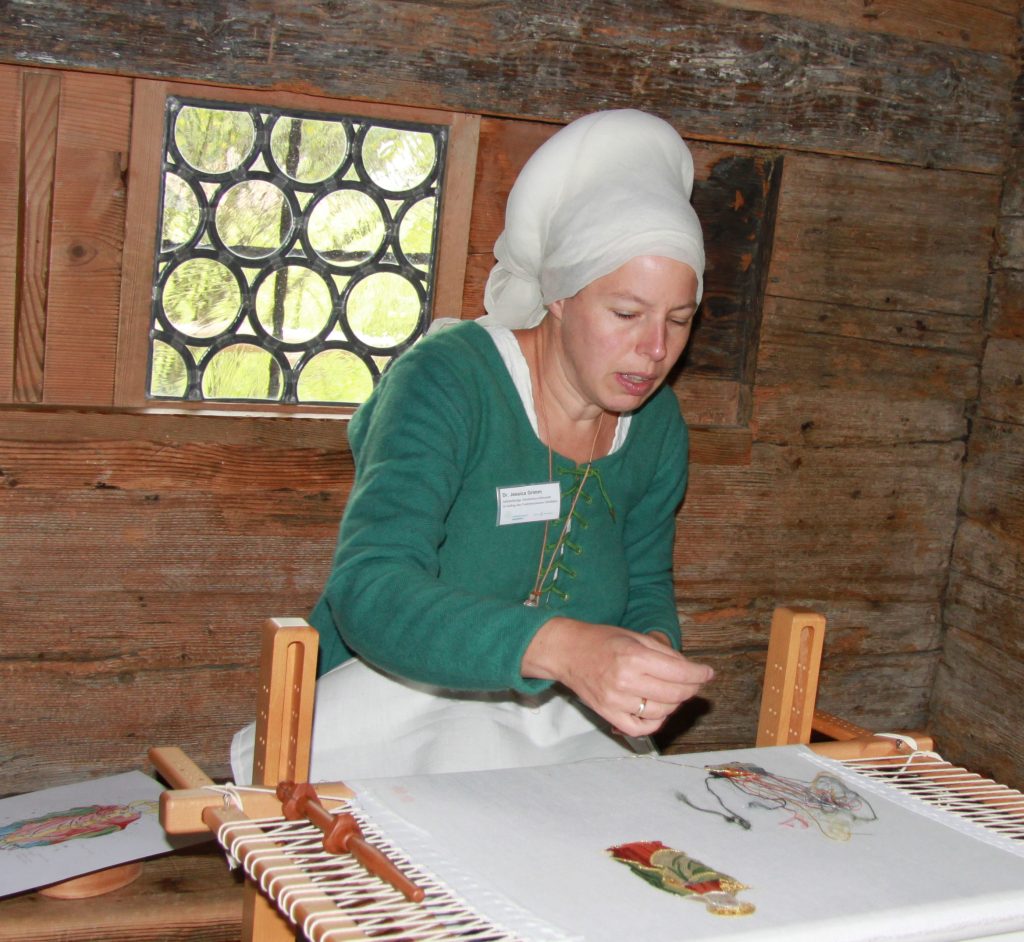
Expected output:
(284, 730)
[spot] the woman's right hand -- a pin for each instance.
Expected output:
(632, 680)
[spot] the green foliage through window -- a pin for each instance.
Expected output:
(295, 253)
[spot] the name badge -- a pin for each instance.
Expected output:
(529, 503)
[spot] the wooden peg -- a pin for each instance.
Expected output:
(342, 834)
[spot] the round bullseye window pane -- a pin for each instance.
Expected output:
(383, 309)
(293, 304)
(213, 140)
(396, 159)
(201, 297)
(346, 228)
(254, 219)
(308, 150)
(335, 376)
(242, 371)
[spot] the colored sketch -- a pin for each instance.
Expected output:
(55, 827)
(58, 833)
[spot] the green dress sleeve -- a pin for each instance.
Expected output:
(384, 600)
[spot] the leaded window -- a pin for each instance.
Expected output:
(295, 255)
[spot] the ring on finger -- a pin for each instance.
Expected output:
(639, 713)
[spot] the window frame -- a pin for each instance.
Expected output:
(145, 178)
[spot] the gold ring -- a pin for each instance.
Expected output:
(640, 709)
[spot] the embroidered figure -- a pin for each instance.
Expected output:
(676, 872)
(826, 802)
(56, 827)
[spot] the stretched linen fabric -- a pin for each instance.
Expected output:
(610, 187)
(530, 849)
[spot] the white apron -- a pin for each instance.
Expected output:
(368, 724)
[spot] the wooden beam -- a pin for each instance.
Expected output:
(456, 215)
(10, 201)
(87, 236)
(985, 27)
(793, 79)
(40, 96)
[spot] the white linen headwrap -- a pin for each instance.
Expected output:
(607, 188)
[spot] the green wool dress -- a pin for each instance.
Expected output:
(426, 584)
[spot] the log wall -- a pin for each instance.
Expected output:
(977, 707)
(142, 549)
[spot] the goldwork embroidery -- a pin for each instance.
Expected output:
(676, 872)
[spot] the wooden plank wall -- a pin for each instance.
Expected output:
(142, 550)
(978, 707)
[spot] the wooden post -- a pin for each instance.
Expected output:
(791, 677)
(284, 732)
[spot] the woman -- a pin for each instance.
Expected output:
(502, 588)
